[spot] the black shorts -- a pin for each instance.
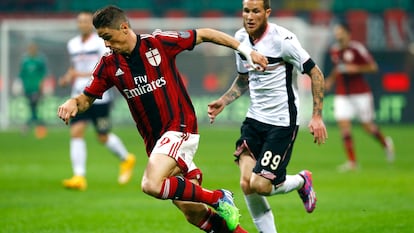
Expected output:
(270, 145)
(98, 114)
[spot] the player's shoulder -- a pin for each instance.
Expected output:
(356, 45)
(95, 37)
(241, 34)
(279, 31)
(75, 41)
(158, 33)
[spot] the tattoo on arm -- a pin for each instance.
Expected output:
(318, 86)
(239, 86)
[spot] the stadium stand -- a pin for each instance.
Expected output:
(396, 27)
(320, 17)
(357, 20)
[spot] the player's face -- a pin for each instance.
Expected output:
(255, 17)
(115, 39)
(85, 25)
(341, 35)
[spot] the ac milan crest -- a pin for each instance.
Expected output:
(154, 57)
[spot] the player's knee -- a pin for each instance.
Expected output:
(261, 186)
(150, 187)
(103, 138)
(245, 186)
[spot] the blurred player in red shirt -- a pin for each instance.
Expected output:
(353, 96)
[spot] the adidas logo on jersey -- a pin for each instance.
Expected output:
(119, 72)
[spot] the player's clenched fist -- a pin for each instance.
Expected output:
(68, 110)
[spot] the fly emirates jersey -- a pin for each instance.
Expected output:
(84, 56)
(151, 84)
(273, 93)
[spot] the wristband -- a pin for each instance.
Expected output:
(244, 49)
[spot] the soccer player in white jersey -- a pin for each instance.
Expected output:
(271, 125)
(85, 50)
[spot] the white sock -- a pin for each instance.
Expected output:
(292, 182)
(78, 156)
(115, 145)
(261, 213)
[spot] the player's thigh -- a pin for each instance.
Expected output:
(276, 152)
(343, 108)
(100, 117)
(246, 165)
(251, 140)
(179, 146)
(159, 167)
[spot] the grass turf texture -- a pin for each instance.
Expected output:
(377, 198)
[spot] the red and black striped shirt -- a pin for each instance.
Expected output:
(151, 84)
(356, 53)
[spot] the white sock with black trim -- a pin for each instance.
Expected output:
(292, 182)
(261, 213)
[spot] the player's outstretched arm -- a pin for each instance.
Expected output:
(316, 125)
(256, 60)
(239, 86)
(74, 105)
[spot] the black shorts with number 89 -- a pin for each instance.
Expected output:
(270, 145)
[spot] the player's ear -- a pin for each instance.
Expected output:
(124, 27)
(268, 11)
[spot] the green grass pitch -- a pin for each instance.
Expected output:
(377, 198)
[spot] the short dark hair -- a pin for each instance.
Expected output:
(343, 24)
(109, 17)
(266, 4)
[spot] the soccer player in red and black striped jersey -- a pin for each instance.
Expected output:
(143, 69)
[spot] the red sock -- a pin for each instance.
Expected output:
(212, 222)
(379, 136)
(179, 188)
(239, 229)
(349, 147)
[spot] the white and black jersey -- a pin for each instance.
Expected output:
(273, 93)
(84, 55)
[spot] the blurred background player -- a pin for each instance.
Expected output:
(85, 50)
(33, 71)
(353, 97)
(268, 133)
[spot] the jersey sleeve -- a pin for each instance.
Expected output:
(363, 52)
(175, 42)
(100, 81)
(295, 54)
(241, 69)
